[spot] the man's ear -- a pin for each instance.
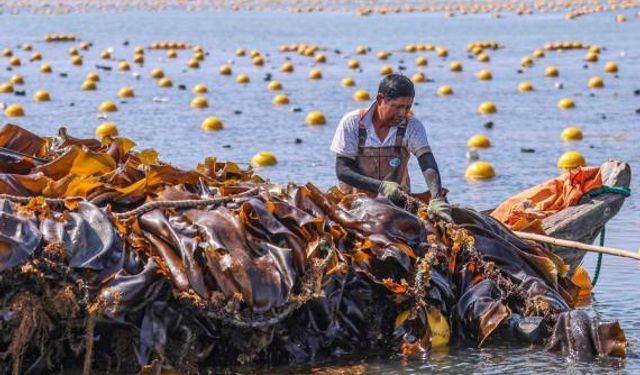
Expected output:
(379, 98)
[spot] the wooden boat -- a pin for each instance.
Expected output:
(584, 221)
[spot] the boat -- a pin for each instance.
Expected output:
(584, 221)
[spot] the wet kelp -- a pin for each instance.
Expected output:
(113, 259)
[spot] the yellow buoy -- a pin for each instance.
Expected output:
(45, 68)
(41, 96)
(7, 52)
(479, 170)
(484, 75)
(383, 55)
(595, 82)
(199, 102)
(361, 96)
(361, 50)
(108, 106)
(6, 88)
(138, 59)
(479, 141)
(193, 64)
(538, 54)
(240, 52)
(107, 129)
(287, 67)
(280, 99)
(611, 67)
(199, 56)
(410, 48)
(570, 160)
(257, 61)
(27, 47)
(264, 159)
(445, 90)
(254, 53)
(566, 103)
(421, 61)
(274, 86)
(36, 56)
(525, 86)
(526, 61)
(105, 55)
(320, 58)
(594, 48)
(353, 64)
(225, 70)
(172, 54)
(315, 118)
(385, 70)
(211, 124)
(124, 66)
(620, 18)
(14, 110)
(571, 134)
(15, 61)
(487, 107)
(200, 89)
(439, 326)
(165, 82)
(591, 57)
(157, 73)
(551, 71)
(126, 92)
(93, 76)
(89, 85)
(442, 52)
(242, 78)
(73, 51)
(76, 60)
(455, 66)
(419, 77)
(483, 57)
(17, 79)
(315, 74)
(348, 82)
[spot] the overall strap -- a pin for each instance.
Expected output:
(362, 130)
(401, 131)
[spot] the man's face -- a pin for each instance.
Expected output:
(393, 111)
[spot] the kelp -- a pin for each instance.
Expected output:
(112, 258)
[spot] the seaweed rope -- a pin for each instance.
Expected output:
(624, 191)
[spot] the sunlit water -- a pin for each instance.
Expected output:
(531, 120)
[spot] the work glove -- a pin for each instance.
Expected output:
(391, 191)
(439, 209)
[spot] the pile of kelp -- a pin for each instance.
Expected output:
(111, 259)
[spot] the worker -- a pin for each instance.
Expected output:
(373, 148)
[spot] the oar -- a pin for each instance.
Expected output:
(578, 245)
(563, 243)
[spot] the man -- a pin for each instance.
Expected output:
(373, 148)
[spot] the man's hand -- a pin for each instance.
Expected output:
(439, 208)
(391, 191)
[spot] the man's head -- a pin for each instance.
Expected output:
(394, 99)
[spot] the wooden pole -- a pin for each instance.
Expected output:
(578, 245)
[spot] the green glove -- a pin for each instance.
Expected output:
(391, 191)
(439, 208)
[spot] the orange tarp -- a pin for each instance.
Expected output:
(523, 210)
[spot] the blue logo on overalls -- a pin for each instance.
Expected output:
(395, 162)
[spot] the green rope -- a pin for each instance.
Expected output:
(596, 273)
(625, 191)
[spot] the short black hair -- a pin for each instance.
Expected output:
(395, 86)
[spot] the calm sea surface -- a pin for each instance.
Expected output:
(531, 120)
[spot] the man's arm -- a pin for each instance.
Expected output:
(429, 169)
(348, 172)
